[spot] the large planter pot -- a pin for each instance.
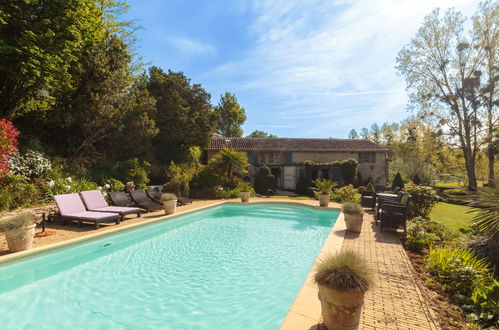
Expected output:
(20, 239)
(245, 196)
(341, 310)
(324, 200)
(354, 221)
(170, 206)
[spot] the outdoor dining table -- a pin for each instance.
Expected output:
(387, 195)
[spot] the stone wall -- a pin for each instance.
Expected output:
(38, 211)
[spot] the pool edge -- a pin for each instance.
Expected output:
(16, 256)
(12, 257)
(305, 311)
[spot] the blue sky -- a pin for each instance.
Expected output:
(299, 68)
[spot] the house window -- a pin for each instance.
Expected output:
(367, 157)
(270, 158)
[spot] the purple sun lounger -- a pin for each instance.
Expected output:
(95, 201)
(72, 208)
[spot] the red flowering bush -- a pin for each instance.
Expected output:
(8, 144)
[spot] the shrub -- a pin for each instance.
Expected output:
(360, 181)
(397, 181)
(468, 280)
(264, 181)
(370, 187)
(136, 171)
(346, 194)
(115, 185)
(351, 208)
(423, 199)
(17, 191)
(345, 271)
(61, 183)
(180, 178)
(8, 144)
(206, 178)
(30, 164)
(419, 236)
(303, 183)
(226, 193)
(17, 221)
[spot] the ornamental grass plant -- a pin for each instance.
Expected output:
(344, 271)
(17, 221)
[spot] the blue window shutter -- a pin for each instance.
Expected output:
(374, 157)
(288, 158)
(253, 158)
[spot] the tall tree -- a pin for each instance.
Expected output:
(353, 134)
(184, 114)
(231, 116)
(486, 29)
(40, 45)
(441, 66)
(261, 134)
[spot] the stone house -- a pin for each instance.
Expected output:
(286, 157)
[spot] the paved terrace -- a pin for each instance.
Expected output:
(395, 302)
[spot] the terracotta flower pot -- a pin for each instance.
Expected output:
(245, 196)
(341, 310)
(354, 221)
(20, 239)
(324, 200)
(170, 206)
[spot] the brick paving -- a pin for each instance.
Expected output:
(395, 302)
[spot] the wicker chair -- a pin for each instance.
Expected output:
(368, 199)
(394, 215)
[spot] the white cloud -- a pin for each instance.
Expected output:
(190, 46)
(326, 60)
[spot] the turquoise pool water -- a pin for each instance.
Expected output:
(227, 267)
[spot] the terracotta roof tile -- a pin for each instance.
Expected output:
(292, 144)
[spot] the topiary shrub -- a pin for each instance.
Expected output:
(397, 181)
(264, 181)
(370, 187)
(360, 181)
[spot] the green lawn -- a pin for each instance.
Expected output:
(452, 215)
(455, 185)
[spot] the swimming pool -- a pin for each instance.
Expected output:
(230, 266)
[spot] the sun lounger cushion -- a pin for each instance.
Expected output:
(95, 201)
(71, 206)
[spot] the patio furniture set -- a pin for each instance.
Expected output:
(390, 209)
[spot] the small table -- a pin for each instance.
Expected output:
(387, 195)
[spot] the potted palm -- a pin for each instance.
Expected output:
(343, 280)
(169, 202)
(245, 189)
(354, 216)
(324, 188)
(19, 230)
